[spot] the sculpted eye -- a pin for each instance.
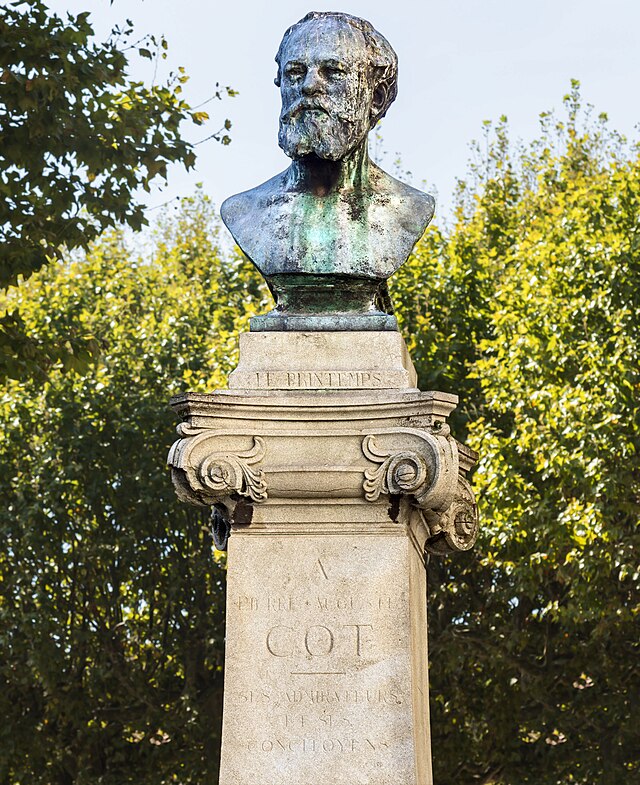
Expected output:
(294, 71)
(334, 71)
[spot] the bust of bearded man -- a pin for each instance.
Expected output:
(329, 231)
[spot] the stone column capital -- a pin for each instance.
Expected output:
(263, 455)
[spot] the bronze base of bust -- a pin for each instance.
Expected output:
(319, 303)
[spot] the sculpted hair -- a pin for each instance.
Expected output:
(382, 57)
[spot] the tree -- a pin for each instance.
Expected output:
(528, 307)
(80, 138)
(111, 602)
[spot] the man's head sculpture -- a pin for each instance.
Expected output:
(328, 231)
(337, 76)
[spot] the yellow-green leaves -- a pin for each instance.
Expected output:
(111, 603)
(528, 307)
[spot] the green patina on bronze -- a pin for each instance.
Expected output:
(315, 294)
(329, 231)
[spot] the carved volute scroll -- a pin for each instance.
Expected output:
(226, 473)
(205, 475)
(418, 463)
(432, 479)
(457, 528)
(404, 472)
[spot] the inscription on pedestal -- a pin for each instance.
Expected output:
(318, 678)
(318, 380)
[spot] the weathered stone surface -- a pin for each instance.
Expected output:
(331, 498)
(242, 450)
(328, 232)
(325, 681)
(324, 360)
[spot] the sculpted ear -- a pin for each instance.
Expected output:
(380, 96)
(378, 102)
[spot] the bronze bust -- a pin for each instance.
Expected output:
(328, 231)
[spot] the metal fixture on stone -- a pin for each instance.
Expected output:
(328, 471)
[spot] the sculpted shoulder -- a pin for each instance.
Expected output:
(413, 209)
(253, 217)
(245, 207)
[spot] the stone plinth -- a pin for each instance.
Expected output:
(331, 497)
(323, 360)
(321, 685)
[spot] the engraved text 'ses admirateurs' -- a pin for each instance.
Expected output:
(328, 231)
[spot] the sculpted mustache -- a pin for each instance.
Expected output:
(303, 106)
(291, 115)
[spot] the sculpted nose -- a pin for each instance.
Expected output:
(311, 83)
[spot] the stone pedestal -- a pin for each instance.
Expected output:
(331, 487)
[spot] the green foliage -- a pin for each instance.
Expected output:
(111, 603)
(79, 140)
(528, 308)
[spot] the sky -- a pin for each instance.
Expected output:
(461, 62)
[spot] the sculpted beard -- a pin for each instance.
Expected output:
(312, 129)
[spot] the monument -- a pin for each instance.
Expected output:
(327, 471)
